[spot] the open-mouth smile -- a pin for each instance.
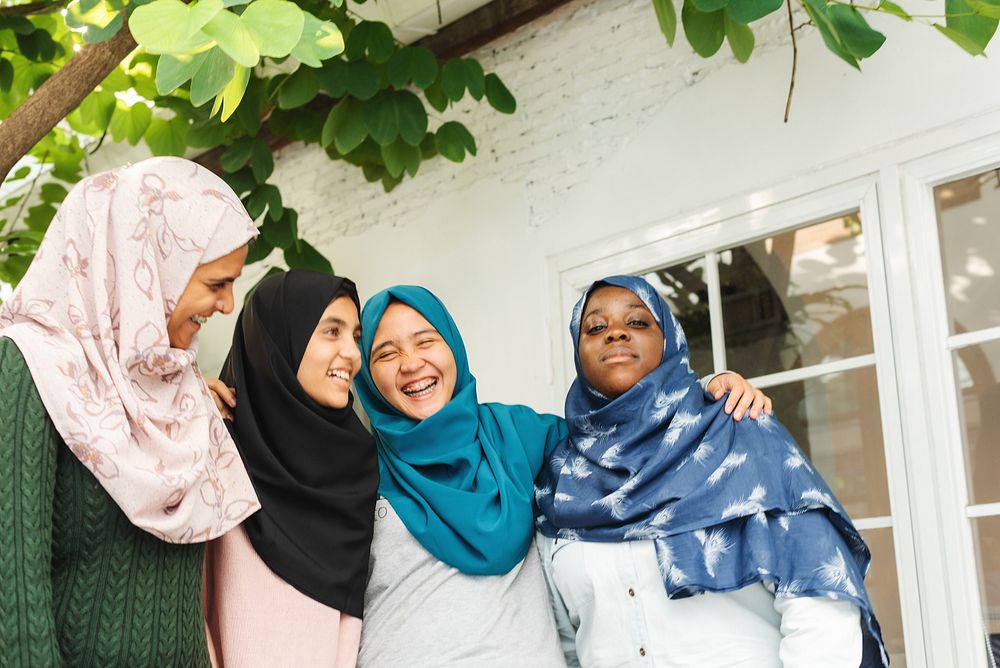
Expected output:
(420, 389)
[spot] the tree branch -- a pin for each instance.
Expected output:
(59, 95)
(795, 59)
(32, 8)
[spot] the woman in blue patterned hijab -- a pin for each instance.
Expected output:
(723, 505)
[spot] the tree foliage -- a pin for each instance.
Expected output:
(238, 78)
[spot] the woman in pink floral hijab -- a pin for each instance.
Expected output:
(113, 458)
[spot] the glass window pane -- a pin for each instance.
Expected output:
(977, 375)
(968, 212)
(836, 420)
(796, 299)
(986, 536)
(883, 589)
(683, 286)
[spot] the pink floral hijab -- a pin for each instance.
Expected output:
(90, 318)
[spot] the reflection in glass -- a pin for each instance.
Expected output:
(836, 420)
(683, 286)
(968, 212)
(977, 375)
(986, 536)
(796, 299)
(883, 589)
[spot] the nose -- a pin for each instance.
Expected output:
(225, 303)
(411, 363)
(616, 333)
(351, 351)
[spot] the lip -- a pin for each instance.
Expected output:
(618, 355)
(340, 382)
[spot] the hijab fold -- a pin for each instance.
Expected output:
(460, 480)
(313, 467)
(90, 318)
(725, 503)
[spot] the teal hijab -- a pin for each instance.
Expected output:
(462, 480)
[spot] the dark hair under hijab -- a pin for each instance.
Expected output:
(314, 468)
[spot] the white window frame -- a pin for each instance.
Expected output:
(737, 222)
(938, 391)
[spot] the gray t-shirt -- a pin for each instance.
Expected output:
(421, 612)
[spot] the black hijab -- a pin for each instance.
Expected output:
(314, 468)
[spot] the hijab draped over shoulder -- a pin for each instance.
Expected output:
(90, 318)
(460, 480)
(726, 503)
(313, 467)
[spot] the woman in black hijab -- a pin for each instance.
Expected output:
(288, 587)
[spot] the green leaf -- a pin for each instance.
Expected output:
(167, 137)
(362, 80)
(333, 77)
(39, 216)
(282, 233)
(320, 40)
(298, 89)
(6, 75)
(412, 63)
(741, 39)
(704, 31)
(275, 209)
(129, 123)
(215, 72)
(894, 9)
(436, 97)
(259, 250)
(709, 6)
(254, 206)
(96, 109)
(475, 80)
(208, 133)
(302, 255)
(453, 79)
(345, 126)
(240, 181)
(381, 119)
(18, 175)
(666, 16)
(400, 156)
(97, 34)
(977, 30)
(275, 25)
(985, 8)
(373, 38)
(498, 96)
(261, 160)
(817, 11)
(251, 109)
(860, 39)
(166, 26)
(747, 11)
(173, 71)
(453, 140)
(229, 98)
(53, 193)
(970, 46)
(237, 155)
(233, 38)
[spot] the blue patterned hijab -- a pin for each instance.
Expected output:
(460, 480)
(726, 503)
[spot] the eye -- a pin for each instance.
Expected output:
(332, 331)
(385, 356)
(216, 287)
(638, 322)
(596, 329)
(426, 343)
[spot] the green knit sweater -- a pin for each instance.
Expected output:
(79, 584)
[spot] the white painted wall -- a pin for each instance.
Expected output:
(614, 131)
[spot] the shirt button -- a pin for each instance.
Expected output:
(642, 651)
(631, 592)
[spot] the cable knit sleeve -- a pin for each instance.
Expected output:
(28, 448)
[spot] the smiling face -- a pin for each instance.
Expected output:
(620, 341)
(332, 358)
(412, 366)
(209, 291)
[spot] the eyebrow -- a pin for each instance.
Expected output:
(224, 279)
(394, 342)
(599, 311)
(331, 320)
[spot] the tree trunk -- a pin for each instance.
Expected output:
(58, 96)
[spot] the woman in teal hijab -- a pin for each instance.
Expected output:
(461, 479)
